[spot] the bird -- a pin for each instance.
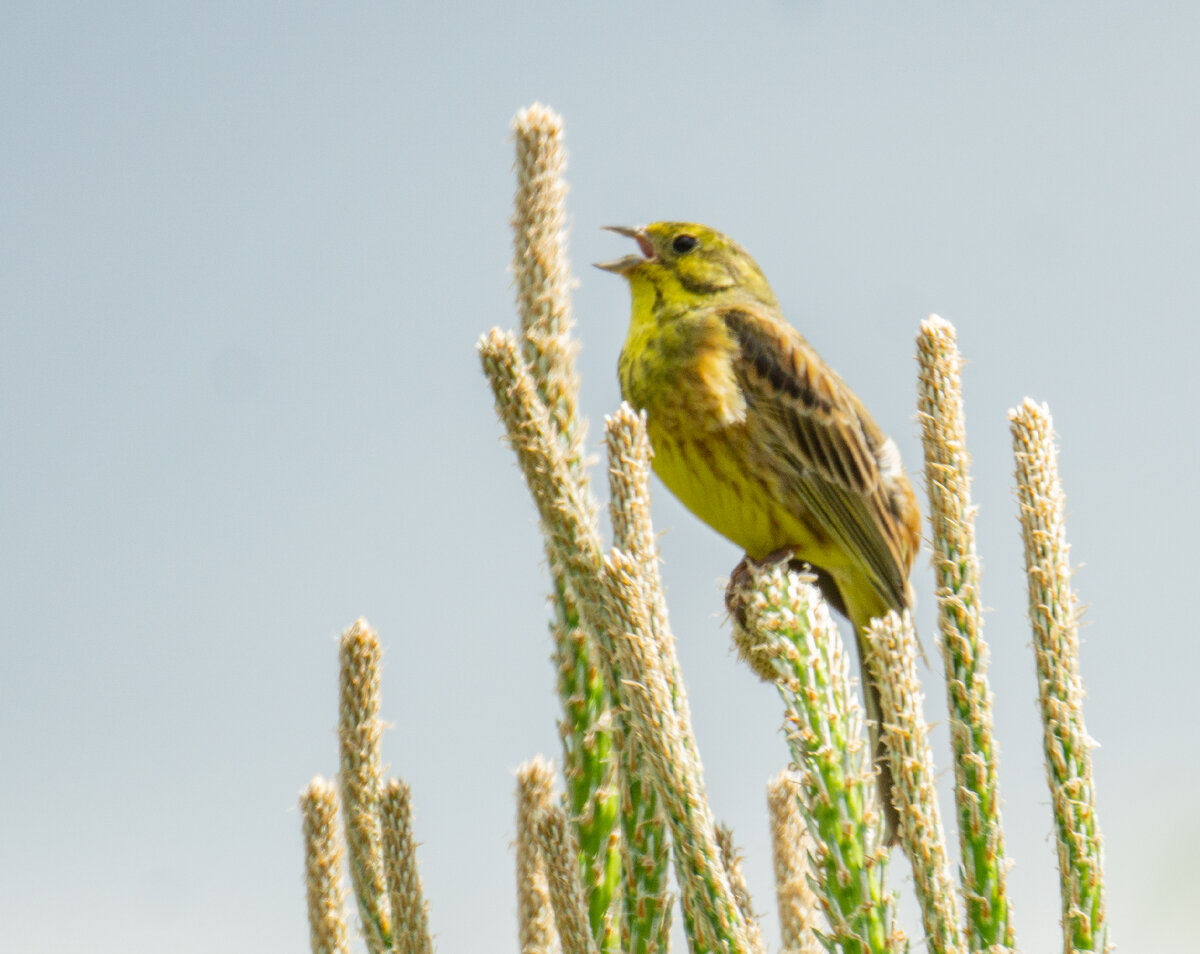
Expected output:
(759, 438)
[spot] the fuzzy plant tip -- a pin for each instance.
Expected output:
(328, 930)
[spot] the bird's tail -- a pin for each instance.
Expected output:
(860, 614)
(884, 780)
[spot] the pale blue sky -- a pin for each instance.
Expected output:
(247, 251)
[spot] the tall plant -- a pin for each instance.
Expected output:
(592, 863)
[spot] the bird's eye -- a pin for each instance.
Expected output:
(684, 243)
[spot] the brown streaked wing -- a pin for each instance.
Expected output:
(819, 428)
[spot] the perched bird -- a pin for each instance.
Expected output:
(758, 437)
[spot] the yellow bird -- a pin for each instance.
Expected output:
(758, 437)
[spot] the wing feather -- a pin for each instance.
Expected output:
(819, 428)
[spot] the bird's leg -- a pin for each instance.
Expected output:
(740, 578)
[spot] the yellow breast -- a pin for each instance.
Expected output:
(706, 450)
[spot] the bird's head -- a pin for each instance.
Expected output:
(686, 262)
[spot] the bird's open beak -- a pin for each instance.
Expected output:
(622, 266)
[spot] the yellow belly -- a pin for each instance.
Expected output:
(747, 502)
(721, 478)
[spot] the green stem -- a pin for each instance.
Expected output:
(785, 633)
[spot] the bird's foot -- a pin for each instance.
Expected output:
(742, 577)
(782, 555)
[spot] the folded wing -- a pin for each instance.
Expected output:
(840, 465)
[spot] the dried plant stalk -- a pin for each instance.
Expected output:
(535, 913)
(359, 734)
(543, 279)
(647, 921)
(559, 853)
(612, 606)
(783, 630)
(799, 908)
(322, 866)
(737, 882)
(712, 918)
(964, 651)
(629, 482)
(648, 904)
(893, 662)
(1054, 614)
(542, 272)
(629, 454)
(660, 716)
(561, 503)
(410, 913)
